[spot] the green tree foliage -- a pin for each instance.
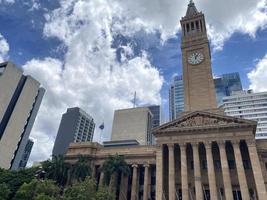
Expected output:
(81, 169)
(14, 179)
(34, 190)
(44, 197)
(112, 167)
(57, 169)
(86, 190)
(65, 173)
(4, 191)
(104, 194)
(81, 190)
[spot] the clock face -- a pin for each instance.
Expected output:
(195, 58)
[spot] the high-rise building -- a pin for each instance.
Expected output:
(249, 105)
(156, 115)
(26, 154)
(133, 124)
(75, 126)
(176, 98)
(156, 118)
(226, 85)
(20, 99)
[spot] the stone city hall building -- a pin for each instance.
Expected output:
(203, 155)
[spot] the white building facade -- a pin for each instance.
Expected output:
(20, 99)
(133, 124)
(249, 105)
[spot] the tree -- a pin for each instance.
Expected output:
(57, 169)
(46, 189)
(86, 190)
(81, 169)
(112, 167)
(81, 190)
(14, 179)
(44, 197)
(104, 194)
(4, 191)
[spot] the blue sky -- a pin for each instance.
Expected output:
(139, 43)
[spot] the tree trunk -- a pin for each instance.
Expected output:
(113, 183)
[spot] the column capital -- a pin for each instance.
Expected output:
(235, 143)
(170, 145)
(182, 144)
(221, 142)
(194, 143)
(146, 165)
(251, 142)
(208, 144)
(134, 165)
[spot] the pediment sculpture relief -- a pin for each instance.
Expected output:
(203, 121)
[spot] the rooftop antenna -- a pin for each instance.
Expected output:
(134, 102)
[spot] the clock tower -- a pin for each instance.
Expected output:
(199, 91)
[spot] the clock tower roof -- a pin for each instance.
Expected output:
(191, 9)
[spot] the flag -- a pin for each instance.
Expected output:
(102, 126)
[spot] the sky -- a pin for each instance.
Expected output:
(96, 53)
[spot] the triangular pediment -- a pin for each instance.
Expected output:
(203, 120)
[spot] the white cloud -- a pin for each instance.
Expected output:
(90, 76)
(258, 76)
(246, 17)
(4, 48)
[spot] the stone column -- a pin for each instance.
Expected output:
(197, 172)
(256, 168)
(240, 171)
(184, 176)
(225, 172)
(171, 172)
(149, 182)
(123, 187)
(159, 172)
(146, 177)
(93, 171)
(101, 179)
(134, 183)
(211, 172)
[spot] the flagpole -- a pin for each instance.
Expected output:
(101, 127)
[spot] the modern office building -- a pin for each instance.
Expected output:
(133, 124)
(26, 154)
(156, 115)
(176, 98)
(202, 155)
(226, 85)
(156, 118)
(75, 126)
(20, 99)
(249, 105)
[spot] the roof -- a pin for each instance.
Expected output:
(202, 120)
(191, 9)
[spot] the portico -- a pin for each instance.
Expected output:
(211, 154)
